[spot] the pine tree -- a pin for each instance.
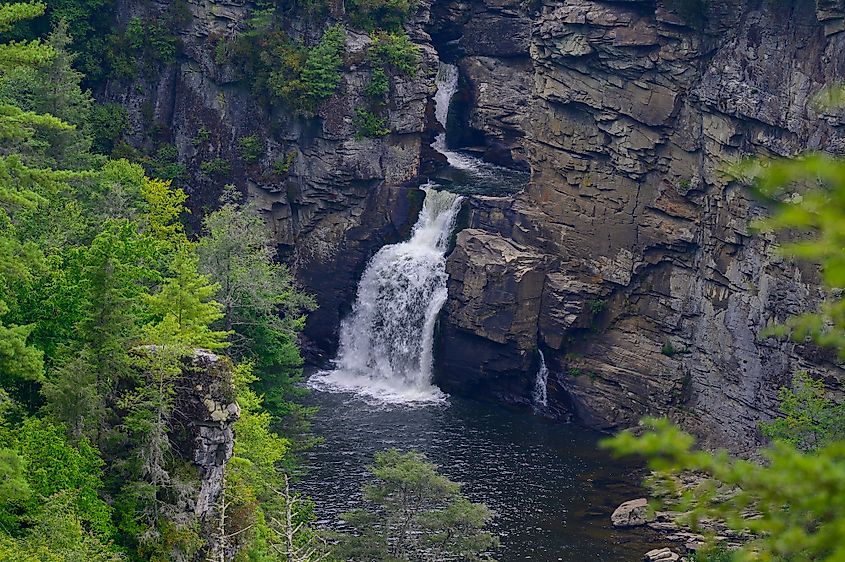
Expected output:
(184, 307)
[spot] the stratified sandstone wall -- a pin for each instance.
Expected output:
(628, 259)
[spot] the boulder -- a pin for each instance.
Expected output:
(661, 555)
(632, 513)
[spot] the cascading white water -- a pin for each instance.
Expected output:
(386, 343)
(447, 86)
(540, 396)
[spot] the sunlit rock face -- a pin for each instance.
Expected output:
(653, 291)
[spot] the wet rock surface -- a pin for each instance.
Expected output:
(332, 198)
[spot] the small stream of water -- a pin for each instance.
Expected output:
(467, 174)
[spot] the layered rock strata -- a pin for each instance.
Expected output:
(648, 292)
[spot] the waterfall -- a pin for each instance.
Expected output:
(540, 395)
(478, 176)
(447, 86)
(386, 342)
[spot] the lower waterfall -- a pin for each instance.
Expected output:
(386, 342)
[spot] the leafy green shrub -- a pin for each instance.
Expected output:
(380, 14)
(215, 167)
(203, 135)
(378, 86)
(370, 125)
(153, 39)
(145, 44)
(321, 72)
(810, 419)
(435, 517)
(395, 50)
(164, 164)
(91, 22)
(714, 554)
(251, 148)
(597, 306)
(283, 71)
(668, 349)
(282, 167)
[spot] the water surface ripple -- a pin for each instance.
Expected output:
(550, 486)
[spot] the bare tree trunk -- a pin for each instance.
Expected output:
(218, 552)
(310, 550)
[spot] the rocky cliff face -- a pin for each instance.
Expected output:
(201, 432)
(628, 259)
(340, 198)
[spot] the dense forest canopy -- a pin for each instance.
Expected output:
(103, 296)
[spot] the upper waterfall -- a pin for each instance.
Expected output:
(447, 86)
(471, 174)
(386, 343)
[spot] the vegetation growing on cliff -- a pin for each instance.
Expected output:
(380, 14)
(284, 71)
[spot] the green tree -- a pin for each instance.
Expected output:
(809, 418)
(380, 14)
(183, 309)
(256, 293)
(53, 87)
(262, 309)
(18, 360)
(794, 503)
(415, 513)
(790, 188)
(52, 466)
(21, 53)
(58, 535)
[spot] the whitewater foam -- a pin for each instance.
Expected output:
(541, 385)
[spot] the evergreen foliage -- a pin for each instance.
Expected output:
(415, 513)
(369, 124)
(394, 50)
(389, 15)
(284, 71)
(102, 300)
